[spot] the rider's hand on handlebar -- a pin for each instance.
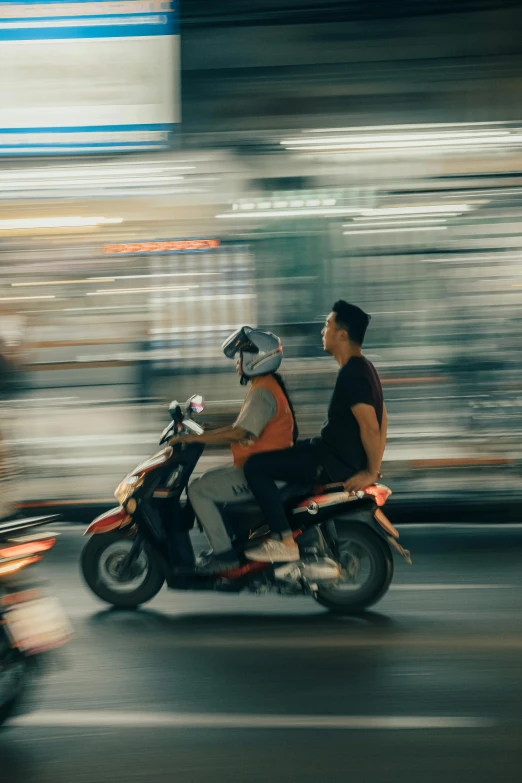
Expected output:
(180, 439)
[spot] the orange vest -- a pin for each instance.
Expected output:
(278, 433)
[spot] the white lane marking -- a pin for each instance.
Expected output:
(200, 720)
(455, 644)
(418, 587)
(486, 527)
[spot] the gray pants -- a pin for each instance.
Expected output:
(225, 484)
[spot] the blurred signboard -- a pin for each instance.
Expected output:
(88, 76)
(161, 246)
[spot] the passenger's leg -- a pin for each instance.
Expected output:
(299, 464)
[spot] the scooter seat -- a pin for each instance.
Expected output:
(289, 492)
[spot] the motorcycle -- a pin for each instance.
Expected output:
(345, 540)
(31, 622)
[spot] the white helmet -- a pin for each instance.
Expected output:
(261, 352)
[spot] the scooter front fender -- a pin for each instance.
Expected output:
(110, 520)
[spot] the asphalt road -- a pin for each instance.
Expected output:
(204, 687)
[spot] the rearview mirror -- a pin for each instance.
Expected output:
(195, 404)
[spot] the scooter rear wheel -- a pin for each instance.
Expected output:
(100, 561)
(359, 546)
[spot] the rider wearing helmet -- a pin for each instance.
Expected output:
(266, 422)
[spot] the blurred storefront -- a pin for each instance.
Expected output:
(385, 172)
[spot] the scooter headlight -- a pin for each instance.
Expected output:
(127, 487)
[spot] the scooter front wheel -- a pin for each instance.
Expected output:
(101, 562)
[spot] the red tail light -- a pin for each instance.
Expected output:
(379, 492)
(27, 548)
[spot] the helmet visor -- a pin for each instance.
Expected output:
(239, 341)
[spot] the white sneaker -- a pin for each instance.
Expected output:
(272, 551)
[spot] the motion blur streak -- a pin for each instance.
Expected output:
(11, 568)
(297, 153)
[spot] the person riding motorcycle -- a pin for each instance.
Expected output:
(349, 449)
(266, 422)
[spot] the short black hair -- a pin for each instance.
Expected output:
(353, 319)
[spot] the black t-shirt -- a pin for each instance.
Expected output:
(341, 445)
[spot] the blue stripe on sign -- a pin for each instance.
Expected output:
(78, 30)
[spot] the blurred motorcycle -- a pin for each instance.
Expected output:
(345, 540)
(31, 622)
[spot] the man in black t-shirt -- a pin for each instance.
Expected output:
(352, 437)
(352, 441)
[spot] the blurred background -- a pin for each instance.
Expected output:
(168, 174)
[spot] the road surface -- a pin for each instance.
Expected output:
(204, 687)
